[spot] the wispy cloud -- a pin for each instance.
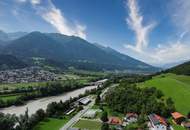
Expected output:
(162, 53)
(54, 16)
(135, 22)
(180, 14)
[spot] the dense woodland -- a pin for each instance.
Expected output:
(10, 62)
(129, 98)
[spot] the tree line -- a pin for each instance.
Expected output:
(54, 110)
(50, 89)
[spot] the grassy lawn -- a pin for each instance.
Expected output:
(88, 124)
(9, 97)
(52, 124)
(17, 85)
(174, 86)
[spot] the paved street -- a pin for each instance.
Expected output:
(77, 116)
(81, 113)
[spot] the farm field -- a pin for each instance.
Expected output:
(9, 97)
(52, 124)
(88, 124)
(175, 86)
(20, 85)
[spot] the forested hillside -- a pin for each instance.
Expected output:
(183, 69)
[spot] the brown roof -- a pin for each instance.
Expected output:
(115, 120)
(177, 115)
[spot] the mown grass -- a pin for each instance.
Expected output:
(174, 86)
(52, 123)
(21, 85)
(9, 97)
(88, 124)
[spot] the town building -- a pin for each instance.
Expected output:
(90, 113)
(157, 122)
(178, 118)
(84, 101)
(115, 121)
(131, 118)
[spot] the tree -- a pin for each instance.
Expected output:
(188, 115)
(23, 121)
(104, 116)
(105, 126)
(98, 99)
(7, 122)
(40, 114)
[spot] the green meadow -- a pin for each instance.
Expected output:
(52, 123)
(88, 124)
(175, 86)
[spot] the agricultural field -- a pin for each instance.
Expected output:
(20, 85)
(88, 124)
(52, 123)
(175, 86)
(9, 97)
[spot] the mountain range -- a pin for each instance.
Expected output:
(69, 51)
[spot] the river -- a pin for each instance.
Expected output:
(42, 103)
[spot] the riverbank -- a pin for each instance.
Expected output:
(42, 103)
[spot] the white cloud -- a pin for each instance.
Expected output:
(163, 53)
(169, 53)
(56, 18)
(135, 22)
(35, 2)
(180, 14)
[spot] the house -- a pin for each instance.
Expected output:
(115, 121)
(84, 101)
(157, 122)
(178, 118)
(90, 113)
(131, 118)
(186, 125)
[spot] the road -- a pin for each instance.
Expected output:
(72, 121)
(77, 116)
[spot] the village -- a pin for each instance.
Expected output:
(26, 75)
(91, 118)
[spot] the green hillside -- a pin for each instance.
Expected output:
(69, 51)
(175, 86)
(181, 69)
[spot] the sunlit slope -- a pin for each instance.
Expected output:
(175, 86)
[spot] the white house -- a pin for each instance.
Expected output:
(157, 122)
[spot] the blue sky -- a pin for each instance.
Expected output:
(154, 31)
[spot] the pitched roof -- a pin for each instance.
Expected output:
(156, 119)
(115, 120)
(177, 115)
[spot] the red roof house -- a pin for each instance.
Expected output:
(115, 121)
(178, 118)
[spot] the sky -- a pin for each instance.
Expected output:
(154, 31)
